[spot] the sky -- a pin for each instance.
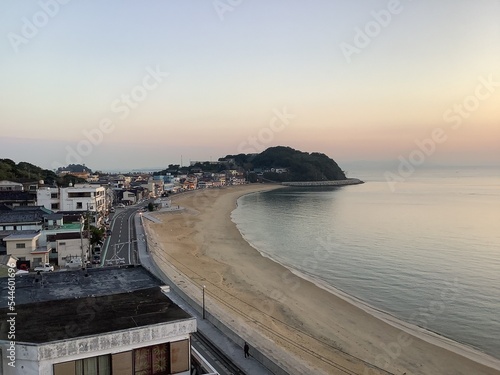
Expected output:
(131, 84)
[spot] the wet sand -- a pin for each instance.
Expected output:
(301, 326)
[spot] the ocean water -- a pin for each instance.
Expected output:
(427, 253)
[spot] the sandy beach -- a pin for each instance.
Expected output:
(301, 326)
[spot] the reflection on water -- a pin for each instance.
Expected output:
(399, 251)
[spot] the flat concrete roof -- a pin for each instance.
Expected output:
(72, 318)
(58, 285)
(62, 305)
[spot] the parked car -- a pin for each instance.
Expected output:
(74, 263)
(121, 205)
(96, 259)
(45, 267)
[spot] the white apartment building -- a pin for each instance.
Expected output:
(81, 197)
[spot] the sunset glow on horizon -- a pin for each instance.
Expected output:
(146, 83)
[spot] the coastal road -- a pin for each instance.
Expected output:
(121, 246)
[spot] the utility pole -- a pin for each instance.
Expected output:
(203, 302)
(82, 223)
(88, 232)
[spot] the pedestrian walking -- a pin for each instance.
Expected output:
(245, 349)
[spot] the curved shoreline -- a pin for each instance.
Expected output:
(361, 333)
(434, 338)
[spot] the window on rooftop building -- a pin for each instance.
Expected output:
(20, 245)
(151, 360)
(100, 365)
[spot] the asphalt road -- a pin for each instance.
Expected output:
(121, 246)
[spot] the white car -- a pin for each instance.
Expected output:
(45, 267)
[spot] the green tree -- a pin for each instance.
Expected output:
(96, 235)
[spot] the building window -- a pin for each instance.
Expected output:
(94, 366)
(79, 205)
(89, 366)
(20, 245)
(151, 360)
(54, 206)
(159, 359)
(53, 195)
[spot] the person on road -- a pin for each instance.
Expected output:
(245, 349)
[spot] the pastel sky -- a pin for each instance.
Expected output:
(134, 84)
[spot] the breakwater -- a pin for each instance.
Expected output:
(349, 181)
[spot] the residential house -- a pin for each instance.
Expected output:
(67, 246)
(24, 245)
(190, 183)
(10, 186)
(18, 220)
(129, 197)
(16, 198)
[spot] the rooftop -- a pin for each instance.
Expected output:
(41, 322)
(74, 284)
(90, 302)
(20, 196)
(28, 214)
(22, 235)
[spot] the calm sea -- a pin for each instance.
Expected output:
(427, 253)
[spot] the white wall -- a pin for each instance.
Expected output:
(85, 347)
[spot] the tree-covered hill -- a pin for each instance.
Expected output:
(24, 171)
(300, 166)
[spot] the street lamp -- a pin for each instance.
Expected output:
(203, 302)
